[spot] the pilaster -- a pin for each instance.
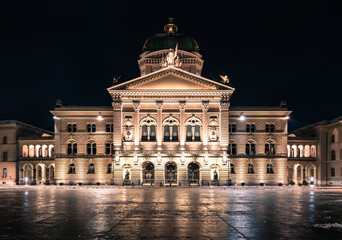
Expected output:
(182, 105)
(136, 106)
(224, 121)
(117, 122)
(205, 106)
(159, 105)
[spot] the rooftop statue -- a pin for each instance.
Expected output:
(225, 79)
(172, 58)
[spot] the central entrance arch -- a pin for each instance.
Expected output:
(148, 172)
(171, 173)
(193, 173)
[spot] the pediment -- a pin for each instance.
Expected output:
(171, 78)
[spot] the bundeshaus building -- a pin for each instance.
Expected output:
(170, 126)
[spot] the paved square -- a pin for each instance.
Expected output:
(170, 213)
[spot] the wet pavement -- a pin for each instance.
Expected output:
(170, 213)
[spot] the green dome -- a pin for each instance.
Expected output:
(165, 41)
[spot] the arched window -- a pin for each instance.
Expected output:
(250, 168)
(232, 168)
(175, 133)
(69, 127)
(51, 150)
(91, 127)
(232, 148)
(5, 156)
(91, 148)
(333, 138)
(109, 148)
(72, 148)
(307, 151)
(193, 172)
(31, 151)
(301, 150)
(148, 133)
(250, 148)
(193, 129)
(4, 140)
(248, 128)
(288, 151)
(267, 128)
(109, 168)
(332, 172)
(91, 168)
(252, 127)
(88, 127)
(4, 173)
(109, 127)
(313, 151)
(333, 155)
(171, 129)
(25, 151)
(269, 148)
(72, 169)
(272, 128)
(269, 169)
(38, 151)
(44, 151)
(293, 151)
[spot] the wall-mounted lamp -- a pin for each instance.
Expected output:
(55, 117)
(99, 117)
(242, 117)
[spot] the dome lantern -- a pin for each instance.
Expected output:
(170, 28)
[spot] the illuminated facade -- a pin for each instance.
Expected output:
(171, 126)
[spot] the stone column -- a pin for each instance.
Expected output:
(43, 174)
(117, 122)
(224, 121)
(136, 106)
(205, 106)
(21, 176)
(35, 175)
(159, 125)
(182, 125)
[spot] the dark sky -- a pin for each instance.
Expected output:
(71, 50)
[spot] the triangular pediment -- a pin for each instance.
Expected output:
(171, 78)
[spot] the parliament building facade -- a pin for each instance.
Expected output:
(169, 126)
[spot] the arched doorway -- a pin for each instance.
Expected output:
(28, 174)
(148, 173)
(170, 173)
(39, 173)
(51, 176)
(193, 173)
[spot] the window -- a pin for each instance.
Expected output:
(148, 129)
(248, 128)
(109, 148)
(232, 148)
(91, 127)
(5, 155)
(333, 155)
(269, 148)
(232, 127)
(333, 138)
(250, 148)
(109, 127)
(72, 169)
(269, 128)
(4, 140)
(91, 148)
(170, 129)
(91, 168)
(252, 127)
(332, 172)
(109, 168)
(72, 127)
(250, 168)
(72, 148)
(232, 169)
(269, 169)
(193, 129)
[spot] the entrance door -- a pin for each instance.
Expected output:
(148, 173)
(193, 173)
(171, 173)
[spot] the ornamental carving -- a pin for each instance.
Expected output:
(159, 105)
(182, 105)
(205, 105)
(117, 105)
(136, 105)
(224, 105)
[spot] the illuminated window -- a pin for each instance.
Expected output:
(91, 168)
(72, 169)
(193, 129)
(250, 168)
(148, 129)
(269, 169)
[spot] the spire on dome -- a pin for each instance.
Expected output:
(170, 28)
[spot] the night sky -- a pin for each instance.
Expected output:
(71, 50)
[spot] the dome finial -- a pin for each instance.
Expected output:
(170, 28)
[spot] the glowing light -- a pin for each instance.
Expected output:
(26, 180)
(55, 117)
(242, 117)
(287, 117)
(99, 117)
